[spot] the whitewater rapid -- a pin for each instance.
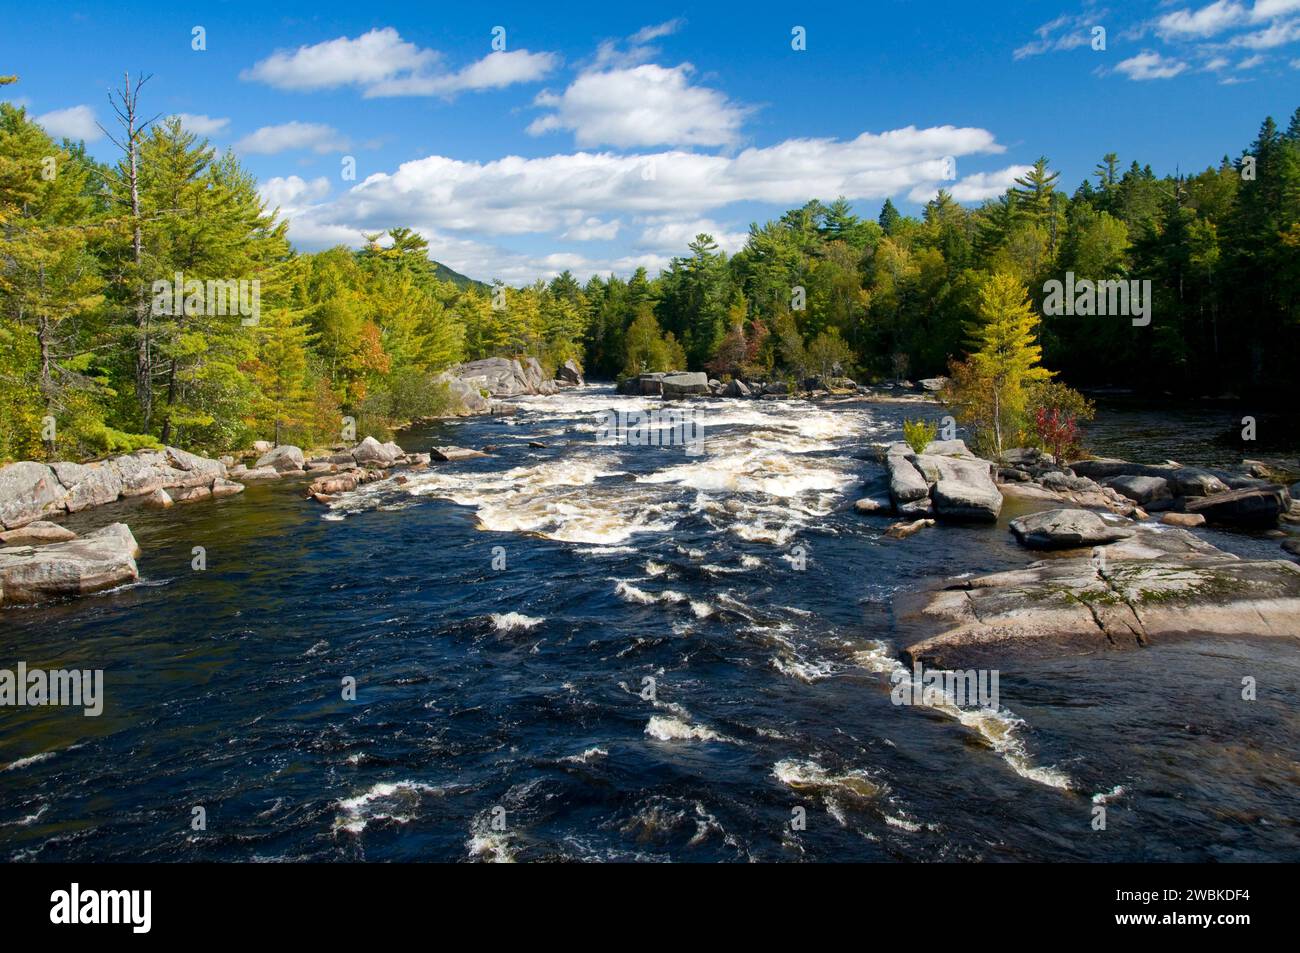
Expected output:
(769, 471)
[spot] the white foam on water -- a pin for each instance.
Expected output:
(591, 754)
(808, 775)
(701, 608)
(999, 729)
(1105, 797)
(381, 802)
(510, 621)
(28, 761)
(626, 591)
(674, 729)
(804, 670)
(29, 820)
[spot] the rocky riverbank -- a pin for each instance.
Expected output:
(1148, 587)
(1116, 579)
(474, 385)
(676, 385)
(42, 560)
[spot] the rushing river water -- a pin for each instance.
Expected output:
(504, 711)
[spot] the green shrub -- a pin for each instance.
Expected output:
(918, 434)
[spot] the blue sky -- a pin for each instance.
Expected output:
(604, 136)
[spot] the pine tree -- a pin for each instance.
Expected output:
(890, 217)
(1005, 351)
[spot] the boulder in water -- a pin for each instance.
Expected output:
(226, 488)
(282, 459)
(36, 534)
(1066, 528)
(1185, 520)
(685, 384)
(905, 481)
(904, 529)
(159, 498)
(94, 562)
(451, 454)
(1247, 507)
(191, 494)
(1151, 492)
(569, 374)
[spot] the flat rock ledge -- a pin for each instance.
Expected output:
(30, 490)
(1156, 585)
(91, 563)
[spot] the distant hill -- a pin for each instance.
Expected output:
(443, 273)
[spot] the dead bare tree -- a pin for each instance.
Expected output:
(125, 103)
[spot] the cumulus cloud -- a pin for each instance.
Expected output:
(643, 105)
(592, 228)
(1268, 9)
(1207, 21)
(381, 63)
(1276, 34)
(1151, 65)
(975, 187)
(370, 58)
(75, 122)
(291, 136)
(593, 196)
(289, 193)
(202, 125)
(494, 71)
(674, 236)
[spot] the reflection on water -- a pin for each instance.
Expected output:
(677, 652)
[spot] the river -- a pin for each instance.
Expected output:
(593, 652)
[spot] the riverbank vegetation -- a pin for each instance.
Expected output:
(90, 365)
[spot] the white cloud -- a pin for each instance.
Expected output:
(494, 71)
(582, 196)
(290, 193)
(1295, 64)
(1207, 21)
(383, 64)
(269, 140)
(370, 58)
(202, 125)
(1251, 62)
(648, 33)
(592, 228)
(1276, 34)
(641, 106)
(1064, 33)
(1268, 9)
(673, 236)
(975, 187)
(1151, 65)
(75, 122)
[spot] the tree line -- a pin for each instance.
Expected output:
(91, 365)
